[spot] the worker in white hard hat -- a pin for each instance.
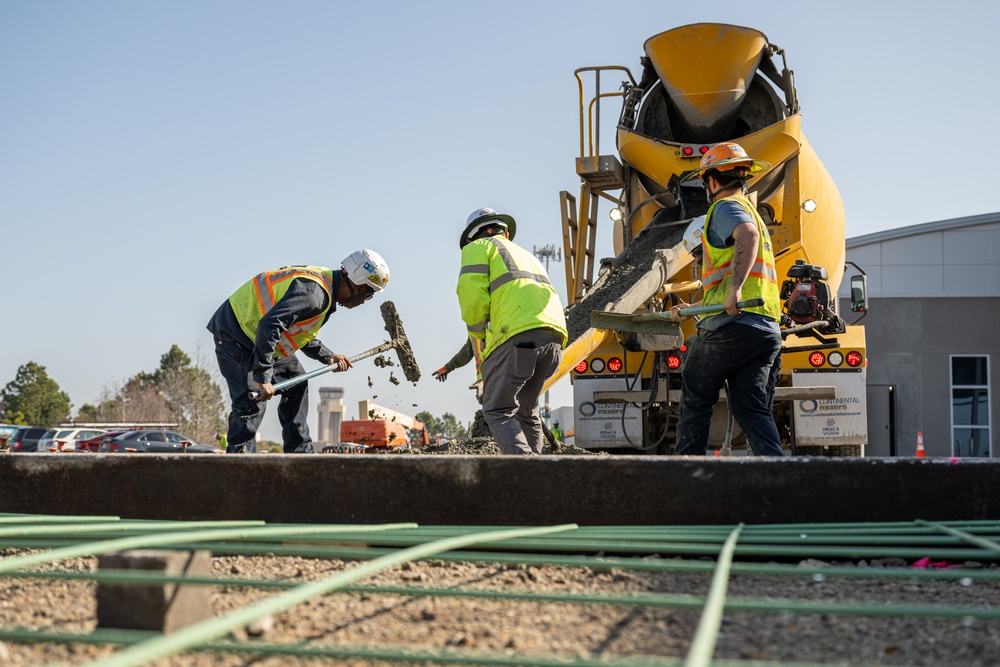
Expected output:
(260, 327)
(507, 301)
(737, 348)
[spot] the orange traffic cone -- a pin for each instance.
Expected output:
(920, 444)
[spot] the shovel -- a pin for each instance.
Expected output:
(291, 382)
(657, 323)
(398, 342)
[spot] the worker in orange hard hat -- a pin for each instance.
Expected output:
(738, 348)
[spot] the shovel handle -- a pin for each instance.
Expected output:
(718, 308)
(291, 382)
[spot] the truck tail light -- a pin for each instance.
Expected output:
(817, 359)
(582, 367)
(614, 365)
(854, 359)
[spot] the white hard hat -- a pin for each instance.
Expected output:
(482, 217)
(366, 267)
(693, 234)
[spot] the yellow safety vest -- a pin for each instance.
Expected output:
(259, 294)
(716, 268)
(504, 290)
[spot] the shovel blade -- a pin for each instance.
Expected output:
(650, 323)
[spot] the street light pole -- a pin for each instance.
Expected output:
(545, 254)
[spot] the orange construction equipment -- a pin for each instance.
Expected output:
(920, 444)
(384, 428)
(373, 433)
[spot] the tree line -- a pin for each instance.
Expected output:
(179, 391)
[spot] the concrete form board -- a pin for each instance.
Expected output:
(465, 490)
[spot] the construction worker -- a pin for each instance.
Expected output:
(473, 349)
(507, 301)
(739, 349)
(556, 431)
(259, 328)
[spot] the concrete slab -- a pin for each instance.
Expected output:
(466, 490)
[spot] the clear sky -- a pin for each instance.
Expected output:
(156, 155)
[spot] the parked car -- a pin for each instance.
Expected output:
(7, 431)
(155, 442)
(93, 444)
(26, 439)
(65, 439)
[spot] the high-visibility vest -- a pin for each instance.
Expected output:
(259, 294)
(503, 290)
(716, 268)
(478, 345)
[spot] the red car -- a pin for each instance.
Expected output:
(93, 444)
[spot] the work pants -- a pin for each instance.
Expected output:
(513, 376)
(748, 359)
(236, 366)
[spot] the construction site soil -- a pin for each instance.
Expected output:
(526, 628)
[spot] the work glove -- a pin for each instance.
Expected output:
(441, 374)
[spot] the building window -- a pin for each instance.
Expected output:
(970, 406)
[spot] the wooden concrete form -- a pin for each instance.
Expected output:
(466, 490)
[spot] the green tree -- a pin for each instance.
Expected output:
(450, 427)
(430, 422)
(32, 397)
(447, 425)
(191, 396)
(180, 391)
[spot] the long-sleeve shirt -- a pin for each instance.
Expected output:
(462, 357)
(303, 300)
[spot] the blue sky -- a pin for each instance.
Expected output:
(154, 156)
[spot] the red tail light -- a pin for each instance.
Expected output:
(614, 364)
(817, 359)
(582, 367)
(673, 362)
(854, 359)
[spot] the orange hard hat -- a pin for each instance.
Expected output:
(730, 157)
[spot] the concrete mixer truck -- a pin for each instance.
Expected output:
(701, 85)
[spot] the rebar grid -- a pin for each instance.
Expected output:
(639, 548)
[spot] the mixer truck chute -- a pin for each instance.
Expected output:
(701, 85)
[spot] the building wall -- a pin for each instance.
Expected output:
(910, 341)
(934, 291)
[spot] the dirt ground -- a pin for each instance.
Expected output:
(545, 628)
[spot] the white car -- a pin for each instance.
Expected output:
(65, 439)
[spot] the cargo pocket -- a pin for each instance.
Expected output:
(524, 361)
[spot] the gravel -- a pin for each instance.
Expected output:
(525, 628)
